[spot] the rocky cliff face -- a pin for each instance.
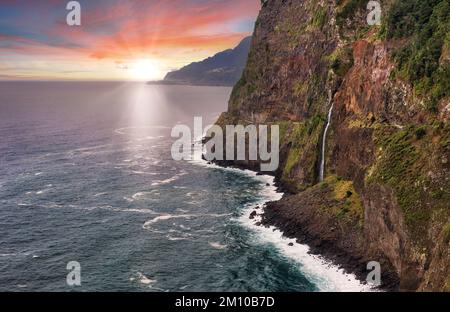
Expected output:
(386, 195)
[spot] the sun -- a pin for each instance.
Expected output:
(145, 70)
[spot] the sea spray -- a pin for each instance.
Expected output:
(323, 273)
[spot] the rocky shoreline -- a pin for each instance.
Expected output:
(298, 219)
(385, 192)
(324, 240)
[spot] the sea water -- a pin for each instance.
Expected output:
(86, 175)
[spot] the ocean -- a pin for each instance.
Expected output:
(86, 175)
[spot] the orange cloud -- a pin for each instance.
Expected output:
(176, 31)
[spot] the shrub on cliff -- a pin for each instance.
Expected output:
(426, 26)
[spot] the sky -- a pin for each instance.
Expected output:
(117, 39)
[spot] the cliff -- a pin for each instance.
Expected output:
(223, 69)
(386, 192)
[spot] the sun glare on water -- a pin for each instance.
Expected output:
(145, 70)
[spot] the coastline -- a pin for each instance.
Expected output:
(182, 83)
(324, 240)
(328, 269)
(306, 227)
(324, 273)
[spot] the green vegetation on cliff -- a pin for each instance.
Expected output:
(348, 205)
(348, 9)
(392, 154)
(412, 161)
(421, 61)
(300, 140)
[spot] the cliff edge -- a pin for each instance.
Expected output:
(385, 195)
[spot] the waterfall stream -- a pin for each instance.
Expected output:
(324, 139)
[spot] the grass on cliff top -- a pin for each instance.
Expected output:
(414, 163)
(348, 205)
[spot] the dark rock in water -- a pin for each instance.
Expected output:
(257, 207)
(258, 223)
(253, 215)
(291, 244)
(267, 184)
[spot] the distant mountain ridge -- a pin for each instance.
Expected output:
(223, 69)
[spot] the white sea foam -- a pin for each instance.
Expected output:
(172, 238)
(144, 279)
(128, 199)
(47, 189)
(166, 217)
(216, 245)
(143, 172)
(138, 195)
(8, 254)
(18, 254)
(143, 210)
(324, 274)
(169, 180)
(146, 195)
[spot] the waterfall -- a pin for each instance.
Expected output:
(324, 139)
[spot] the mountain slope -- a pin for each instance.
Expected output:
(386, 191)
(223, 69)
